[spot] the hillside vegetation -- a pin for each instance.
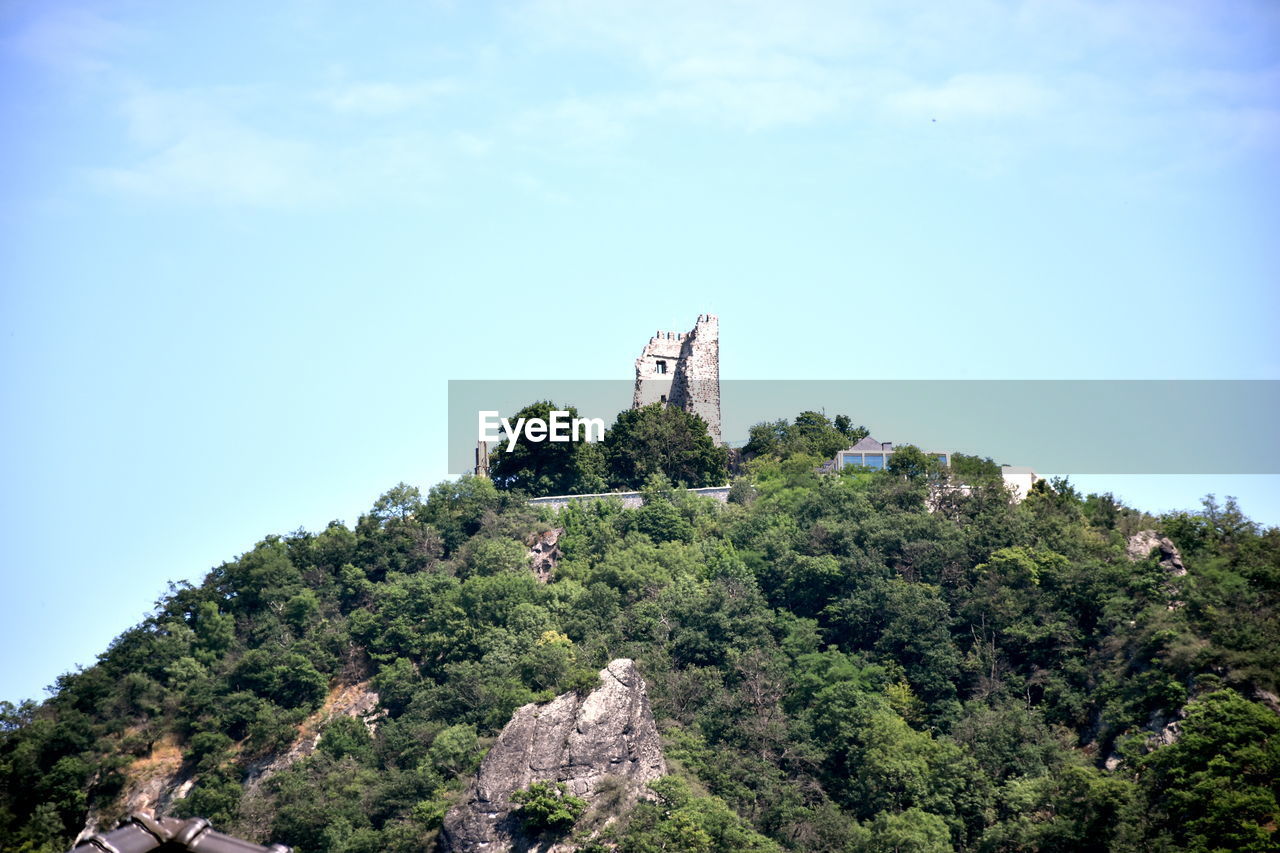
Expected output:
(864, 661)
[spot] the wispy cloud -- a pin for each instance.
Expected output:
(1101, 69)
(70, 39)
(218, 146)
(566, 77)
(752, 65)
(973, 96)
(196, 148)
(382, 99)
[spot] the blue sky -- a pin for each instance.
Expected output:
(243, 246)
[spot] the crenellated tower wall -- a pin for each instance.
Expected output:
(683, 369)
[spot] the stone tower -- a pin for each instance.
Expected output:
(683, 369)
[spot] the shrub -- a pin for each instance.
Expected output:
(548, 806)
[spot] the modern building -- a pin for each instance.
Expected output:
(869, 453)
(1019, 479)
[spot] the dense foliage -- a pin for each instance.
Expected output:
(810, 433)
(665, 440)
(654, 440)
(548, 807)
(863, 661)
(549, 467)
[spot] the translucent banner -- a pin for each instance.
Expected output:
(1063, 426)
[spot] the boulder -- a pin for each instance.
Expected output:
(544, 553)
(604, 746)
(1141, 545)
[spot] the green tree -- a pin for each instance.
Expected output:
(215, 632)
(547, 467)
(400, 502)
(766, 438)
(663, 522)
(811, 433)
(1074, 809)
(264, 576)
(853, 433)
(910, 831)
(215, 797)
(454, 751)
(876, 762)
(289, 680)
(911, 462)
(684, 823)
(973, 469)
(548, 807)
(347, 736)
(815, 433)
(395, 536)
(661, 439)
(456, 508)
(1217, 786)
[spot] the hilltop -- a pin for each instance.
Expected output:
(860, 661)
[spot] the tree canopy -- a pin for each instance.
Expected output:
(548, 467)
(658, 439)
(835, 662)
(811, 433)
(666, 440)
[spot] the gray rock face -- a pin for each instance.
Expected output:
(605, 744)
(1267, 698)
(544, 553)
(1141, 544)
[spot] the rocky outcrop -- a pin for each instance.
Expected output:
(544, 553)
(1266, 697)
(353, 700)
(152, 784)
(602, 746)
(1161, 730)
(156, 781)
(1140, 546)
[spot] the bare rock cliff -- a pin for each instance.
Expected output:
(155, 782)
(603, 746)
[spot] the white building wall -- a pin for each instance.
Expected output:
(1019, 479)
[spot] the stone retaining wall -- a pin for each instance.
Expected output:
(629, 499)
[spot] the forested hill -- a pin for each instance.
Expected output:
(863, 661)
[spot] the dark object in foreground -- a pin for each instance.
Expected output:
(141, 833)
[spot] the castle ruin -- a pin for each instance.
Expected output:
(683, 369)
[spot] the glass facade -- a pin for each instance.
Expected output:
(879, 460)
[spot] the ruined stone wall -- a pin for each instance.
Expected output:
(651, 385)
(692, 378)
(696, 386)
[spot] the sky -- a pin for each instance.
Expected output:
(244, 246)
